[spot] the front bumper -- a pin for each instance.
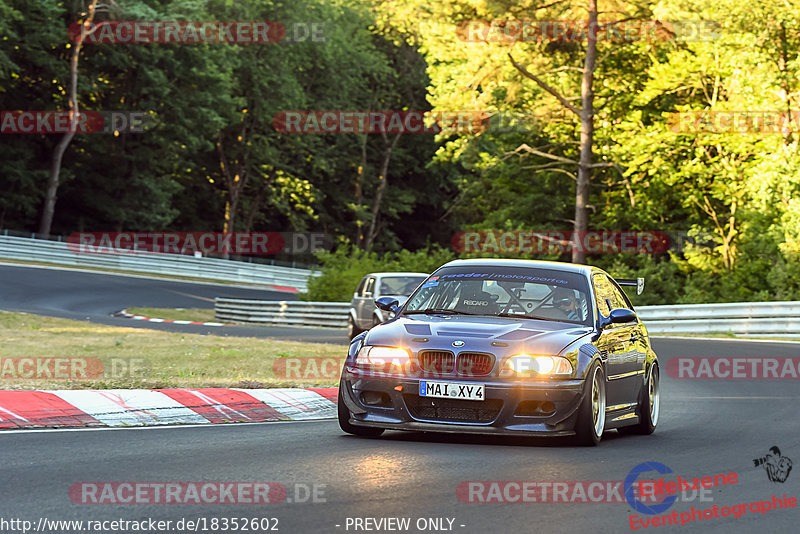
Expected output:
(393, 402)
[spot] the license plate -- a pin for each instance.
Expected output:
(451, 390)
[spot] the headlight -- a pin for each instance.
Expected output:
(382, 356)
(527, 365)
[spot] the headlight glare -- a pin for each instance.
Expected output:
(381, 356)
(528, 365)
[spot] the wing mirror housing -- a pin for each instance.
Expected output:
(617, 315)
(389, 304)
(621, 315)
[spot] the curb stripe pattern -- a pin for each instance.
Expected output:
(145, 407)
(124, 313)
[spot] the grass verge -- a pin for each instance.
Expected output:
(140, 358)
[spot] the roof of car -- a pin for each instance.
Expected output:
(536, 264)
(397, 274)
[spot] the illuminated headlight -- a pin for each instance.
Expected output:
(382, 356)
(525, 364)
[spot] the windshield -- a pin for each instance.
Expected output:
(504, 291)
(400, 285)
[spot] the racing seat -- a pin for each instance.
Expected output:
(475, 300)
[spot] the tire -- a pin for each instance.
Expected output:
(375, 321)
(344, 421)
(649, 405)
(592, 412)
(352, 329)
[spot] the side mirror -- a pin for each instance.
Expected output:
(621, 315)
(617, 315)
(389, 304)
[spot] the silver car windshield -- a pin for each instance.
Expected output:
(510, 292)
(400, 285)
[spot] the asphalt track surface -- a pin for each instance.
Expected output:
(707, 428)
(93, 296)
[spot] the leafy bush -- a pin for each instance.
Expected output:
(343, 269)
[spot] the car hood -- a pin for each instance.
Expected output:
(497, 335)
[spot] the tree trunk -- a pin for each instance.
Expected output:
(236, 182)
(255, 207)
(587, 139)
(359, 180)
(49, 208)
(783, 61)
(376, 204)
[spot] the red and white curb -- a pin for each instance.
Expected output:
(145, 407)
(285, 289)
(124, 313)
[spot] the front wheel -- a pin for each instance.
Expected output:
(344, 421)
(592, 412)
(649, 406)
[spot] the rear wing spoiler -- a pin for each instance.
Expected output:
(638, 283)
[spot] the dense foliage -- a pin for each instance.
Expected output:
(214, 161)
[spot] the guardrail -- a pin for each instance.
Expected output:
(56, 252)
(780, 319)
(274, 313)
